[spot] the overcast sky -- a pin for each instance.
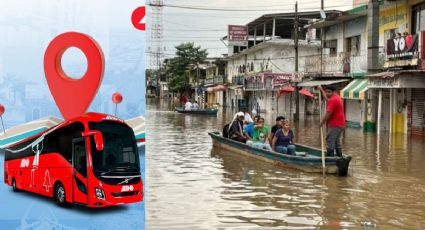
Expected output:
(205, 28)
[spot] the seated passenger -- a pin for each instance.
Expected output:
(249, 129)
(235, 129)
(195, 105)
(188, 105)
(283, 140)
(278, 125)
(260, 136)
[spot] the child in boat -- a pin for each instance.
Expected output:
(283, 141)
(260, 136)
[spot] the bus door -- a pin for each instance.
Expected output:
(79, 177)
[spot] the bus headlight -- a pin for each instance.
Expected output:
(99, 193)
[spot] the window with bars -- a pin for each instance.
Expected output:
(332, 46)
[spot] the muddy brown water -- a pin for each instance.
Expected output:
(190, 185)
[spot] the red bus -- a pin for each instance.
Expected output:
(91, 160)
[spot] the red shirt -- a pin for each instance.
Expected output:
(336, 108)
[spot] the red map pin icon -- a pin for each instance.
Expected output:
(73, 96)
(138, 18)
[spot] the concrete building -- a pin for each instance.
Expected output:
(263, 73)
(369, 44)
(345, 56)
(216, 83)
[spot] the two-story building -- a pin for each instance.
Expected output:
(208, 83)
(344, 56)
(391, 94)
(215, 83)
(264, 73)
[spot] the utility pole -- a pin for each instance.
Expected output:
(156, 40)
(373, 62)
(321, 41)
(297, 101)
(197, 84)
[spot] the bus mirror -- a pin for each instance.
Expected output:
(98, 138)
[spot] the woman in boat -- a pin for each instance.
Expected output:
(260, 136)
(283, 141)
(235, 131)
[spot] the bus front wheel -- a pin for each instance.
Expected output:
(15, 189)
(60, 195)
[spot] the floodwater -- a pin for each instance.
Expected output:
(190, 185)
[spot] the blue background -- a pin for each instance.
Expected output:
(26, 28)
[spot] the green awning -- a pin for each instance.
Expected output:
(357, 74)
(355, 90)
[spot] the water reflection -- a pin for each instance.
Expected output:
(190, 185)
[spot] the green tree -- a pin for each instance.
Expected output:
(186, 54)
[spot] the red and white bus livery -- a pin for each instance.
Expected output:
(91, 160)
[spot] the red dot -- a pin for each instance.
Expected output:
(116, 98)
(137, 16)
(1, 109)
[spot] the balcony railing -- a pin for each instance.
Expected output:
(209, 81)
(254, 85)
(341, 64)
(219, 79)
(238, 80)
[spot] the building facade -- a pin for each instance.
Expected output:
(390, 94)
(264, 75)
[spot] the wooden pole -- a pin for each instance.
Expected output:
(378, 131)
(321, 135)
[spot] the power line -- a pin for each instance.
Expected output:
(187, 40)
(190, 27)
(210, 8)
(207, 8)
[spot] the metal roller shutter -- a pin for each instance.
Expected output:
(418, 111)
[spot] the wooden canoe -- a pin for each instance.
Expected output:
(198, 111)
(310, 162)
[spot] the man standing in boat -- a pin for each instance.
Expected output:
(335, 120)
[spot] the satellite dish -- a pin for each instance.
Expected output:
(322, 14)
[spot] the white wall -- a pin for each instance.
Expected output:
(281, 55)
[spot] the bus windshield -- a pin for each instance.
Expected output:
(120, 154)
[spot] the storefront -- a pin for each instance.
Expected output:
(418, 112)
(234, 96)
(261, 91)
(406, 103)
(355, 99)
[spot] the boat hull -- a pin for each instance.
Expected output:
(334, 165)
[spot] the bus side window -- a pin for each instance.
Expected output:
(60, 140)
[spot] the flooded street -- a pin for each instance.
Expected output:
(192, 186)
